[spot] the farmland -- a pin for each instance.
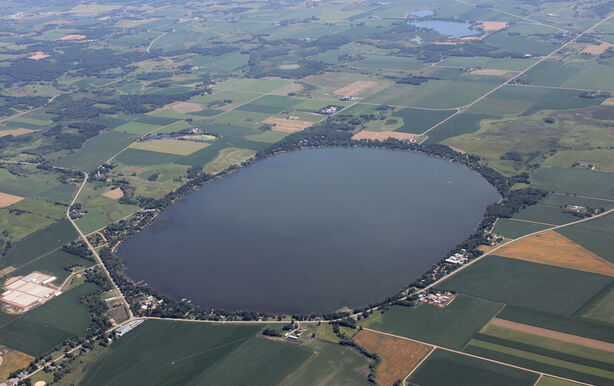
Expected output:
(151, 101)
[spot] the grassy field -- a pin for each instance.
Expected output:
(227, 157)
(159, 352)
(39, 330)
(53, 264)
(451, 326)
(516, 282)
(418, 121)
(602, 309)
(511, 229)
(102, 210)
(458, 125)
(13, 360)
(447, 368)
(136, 128)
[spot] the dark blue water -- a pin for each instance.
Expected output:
(310, 231)
(456, 29)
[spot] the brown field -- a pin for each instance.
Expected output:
(563, 337)
(493, 25)
(170, 146)
(180, 107)
(13, 360)
(552, 248)
(608, 102)
(287, 125)
(38, 55)
(72, 37)
(399, 356)
(8, 199)
(383, 135)
(354, 88)
(596, 49)
(114, 194)
(446, 43)
(16, 132)
(6, 271)
(490, 71)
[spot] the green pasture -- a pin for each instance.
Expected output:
(535, 286)
(545, 213)
(101, 211)
(258, 86)
(602, 309)
(447, 368)
(270, 104)
(54, 264)
(458, 125)
(60, 193)
(267, 136)
(137, 157)
(450, 326)
(603, 159)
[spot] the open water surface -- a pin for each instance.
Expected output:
(310, 231)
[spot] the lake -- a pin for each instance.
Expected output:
(456, 29)
(310, 231)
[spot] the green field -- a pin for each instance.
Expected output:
(451, 326)
(517, 283)
(39, 243)
(159, 352)
(447, 368)
(136, 128)
(578, 181)
(511, 229)
(418, 121)
(39, 330)
(96, 151)
(594, 235)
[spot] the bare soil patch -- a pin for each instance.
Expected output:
(9, 199)
(490, 71)
(6, 271)
(72, 37)
(493, 25)
(608, 102)
(354, 88)
(287, 125)
(563, 337)
(552, 248)
(399, 356)
(114, 194)
(596, 49)
(180, 107)
(383, 135)
(16, 132)
(38, 55)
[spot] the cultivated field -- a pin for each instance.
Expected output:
(8, 199)
(287, 125)
(114, 194)
(554, 249)
(354, 88)
(170, 146)
(399, 356)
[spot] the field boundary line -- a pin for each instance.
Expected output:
(479, 357)
(532, 222)
(403, 382)
(464, 108)
(464, 266)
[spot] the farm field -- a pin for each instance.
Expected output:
(515, 282)
(195, 352)
(447, 368)
(520, 92)
(399, 356)
(450, 326)
(552, 248)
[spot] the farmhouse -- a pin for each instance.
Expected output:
(457, 258)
